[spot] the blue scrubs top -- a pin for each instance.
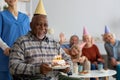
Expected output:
(10, 30)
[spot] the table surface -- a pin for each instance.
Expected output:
(94, 73)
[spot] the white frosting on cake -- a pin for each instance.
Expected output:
(58, 61)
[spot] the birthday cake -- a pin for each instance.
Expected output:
(58, 61)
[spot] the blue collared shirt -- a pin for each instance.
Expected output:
(113, 50)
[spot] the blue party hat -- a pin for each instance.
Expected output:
(107, 30)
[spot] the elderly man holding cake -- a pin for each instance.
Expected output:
(34, 56)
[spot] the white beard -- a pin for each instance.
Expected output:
(41, 36)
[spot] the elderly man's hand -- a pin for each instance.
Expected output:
(45, 68)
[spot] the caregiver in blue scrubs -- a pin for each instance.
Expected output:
(13, 24)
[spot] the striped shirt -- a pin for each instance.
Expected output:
(28, 53)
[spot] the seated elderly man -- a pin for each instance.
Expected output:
(32, 54)
(74, 39)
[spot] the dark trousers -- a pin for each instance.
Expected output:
(62, 77)
(26, 77)
(93, 67)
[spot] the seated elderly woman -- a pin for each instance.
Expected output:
(112, 47)
(78, 59)
(91, 51)
(76, 56)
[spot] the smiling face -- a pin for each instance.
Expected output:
(11, 2)
(74, 40)
(87, 38)
(39, 26)
(109, 38)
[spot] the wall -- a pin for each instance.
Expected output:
(69, 16)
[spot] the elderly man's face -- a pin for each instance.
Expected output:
(39, 26)
(74, 40)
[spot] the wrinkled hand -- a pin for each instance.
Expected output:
(74, 52)
(95, 62)
(62, 38)
(100, 60)
(113, 62)
(45, 68)
(7, 51)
